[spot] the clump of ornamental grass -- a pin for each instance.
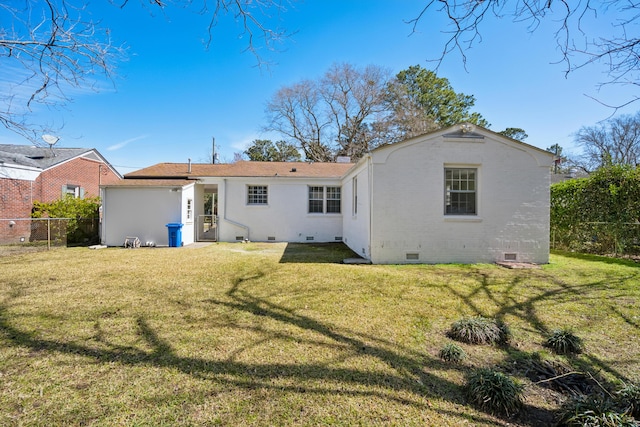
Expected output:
(563, 341)
(594, 411)
(628, 397)
(494, 391)
(480, 330)
(452, 352)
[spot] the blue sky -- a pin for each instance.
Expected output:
(172, 95)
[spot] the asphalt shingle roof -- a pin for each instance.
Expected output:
(242, 169)
(37, 157)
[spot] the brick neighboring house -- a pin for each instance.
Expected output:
(30, 173)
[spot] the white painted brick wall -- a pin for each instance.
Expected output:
(408, 203)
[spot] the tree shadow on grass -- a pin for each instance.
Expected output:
(509, 303)
(407, 382)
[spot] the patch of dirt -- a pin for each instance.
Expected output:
(516, 265)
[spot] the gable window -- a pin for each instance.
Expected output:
(324, 199)
(460, 191)
(257, 195)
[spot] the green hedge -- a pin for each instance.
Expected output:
(598, 214)
(81, 226)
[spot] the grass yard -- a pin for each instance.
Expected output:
(276, 334)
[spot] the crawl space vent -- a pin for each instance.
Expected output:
(309, 238)
(239, 238)
(338, 238)
(272, 238)
(510, 257)
(412, 256)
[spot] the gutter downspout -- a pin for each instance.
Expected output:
(224, 212)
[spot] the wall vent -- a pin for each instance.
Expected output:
(239, 238)
(510, 257)
(338, 238)
(272, 238)
(309, 238)
(412, 256)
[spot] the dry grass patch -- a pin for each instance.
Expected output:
(276, 334)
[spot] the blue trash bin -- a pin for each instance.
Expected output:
(175, 234)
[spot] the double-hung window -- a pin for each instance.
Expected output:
(74, 191)
(257, 195)
(333, 199)
(316, 199)
(324, 199)
(460, 186)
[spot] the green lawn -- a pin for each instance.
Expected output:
(276, 334)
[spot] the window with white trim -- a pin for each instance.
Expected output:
(460, 191)
(257, 195)
(316, 199)
(74, 191)
(333, 199)
(324, 199)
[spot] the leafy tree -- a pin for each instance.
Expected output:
(613, 142)
(515, 133)
(53, 46)
(578, 37)
(265, 150)
(556, 149)
(420, 101)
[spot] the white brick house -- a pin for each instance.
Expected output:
(462, 194)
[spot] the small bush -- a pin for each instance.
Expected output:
(452, 353)
(629, 399)
(479, 330)
(593, 411)
(563, 341)
(494, 391)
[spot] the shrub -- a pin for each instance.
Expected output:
(629, 399)
(494, 391)
(452, 353)
(479, 330)
(563, 341)
(593, 411)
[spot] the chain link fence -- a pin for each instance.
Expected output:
(601, 238)
(49, 232)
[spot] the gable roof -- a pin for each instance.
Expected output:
(241, 169)
(37, 157)
(464, 131)
(45, 158)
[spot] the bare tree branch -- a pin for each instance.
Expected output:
(576, 41)
(329, 117)
(51, 49)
